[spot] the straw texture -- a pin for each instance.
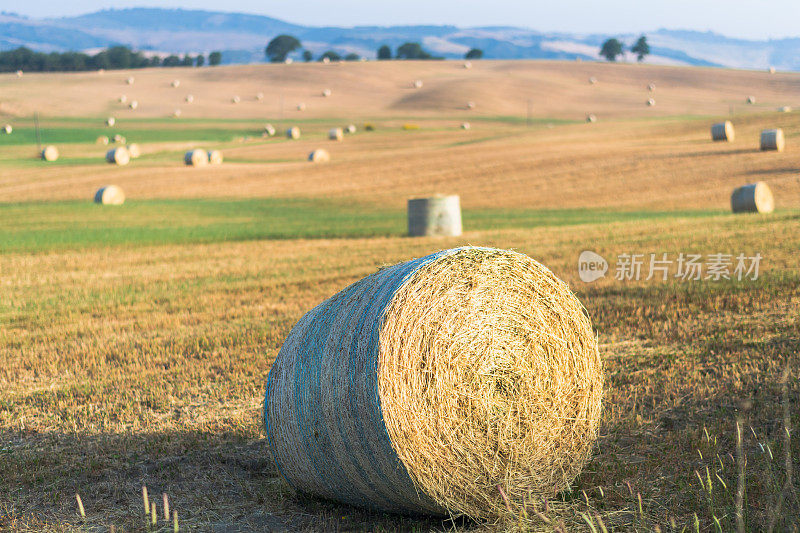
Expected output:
(422, 387)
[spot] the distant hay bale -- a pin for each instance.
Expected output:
(134, 104)
(429, 384)
(751, 100)
(50, 153)
(470, 105)
(7, 129)
(773, 140)
(326, 60)
(117, 138)
(269, 130)
(118, 156)
(467, 64)
(651, 102)
(301, 106)
(465, 125)
(417, 84)
(326, 93)
(259, 96)
(410, 127)
(590, 118)
(189, 98)
(723, 131)
(336, 134)
(134, 150)
(592, 80)
(772, 70)
(785, 109)
(110, 121)
(434, 216)
(319, 155)
(196, 158)
(130, 81)
(351, 128)
(19, 73)
(176, 114)
(651, 87)
(288, 61)
(235, 100)
(109, 195)
(102, 140)
(175, 84)
(214, 157)
(293, 133)
(753, 198)
(122, 99)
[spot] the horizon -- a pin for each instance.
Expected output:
(619, 18)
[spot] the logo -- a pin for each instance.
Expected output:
(591, 266)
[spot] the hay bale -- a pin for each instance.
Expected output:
(117, 138)
(134, 150)
(176, 114)
(175, 84)
(435, 216)
(189, 98)
(417, 84)
(214, 157)
(122, 99)
(470, 105)
(751, 100)
(336, 134)
(50, 153)
(109, 195)
(785, 109)
(326, 93)
(110, 121)
(293, 133)
(7, 129)
(301, 106)
(723, 131)
(326, 60)
(288, 61)
(351, 128)
(19, 73)
(319, 155)
(134, 104)
(118, 156)
(130, 81)
(773, 140)
(592, 80)
(269, 130)
(466, 125)
(651, 102)
(196, 158)
(102, 140)
(369, 126)
(590, 118)
(651, 87)
(424, 386)
(753, 198)
(235, 100)
(772, 70)
(259, 96)
(467, 65)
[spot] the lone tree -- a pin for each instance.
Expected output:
(475, 53)
(280, 47)
(641, 48)
(214, 58)
(384, 52)
(611, 49)
(411, 51)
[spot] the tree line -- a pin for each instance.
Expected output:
(116, 57)
(613, 48)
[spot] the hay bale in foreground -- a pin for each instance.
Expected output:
(134, 150)
(753, 198)
(293, 133)
(196, 158)
(319, 156)
(269, 130)
(336, 134)
(751, 100)
(424, 386)
(50, 153)
(7, 129)
(110, 121)
(214, 157)
(773, 140)
(436, 216)
(109, 195)
(723, 131)
(118, 156)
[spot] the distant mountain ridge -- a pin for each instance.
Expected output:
(242, 38)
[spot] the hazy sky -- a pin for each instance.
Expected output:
(736, 18)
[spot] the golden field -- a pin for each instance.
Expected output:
(136, 341)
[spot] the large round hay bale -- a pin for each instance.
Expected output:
(293, 133)
(134, 104)
(751, 100)
(753, 198)
(773, 140)
(215, 157)
(417, 84)
(269, 130)
(134, 150)
(175, 84)
(109, 195)
(319, 155)
(351, 128)
(723, 131)
(196, 158)
(425, 386)
(326, 93)
(336, 134)
(7, 129)
(118, 156)
(435, 216)
(110, 121)
(50, 153)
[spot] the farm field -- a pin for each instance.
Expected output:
(135, 340)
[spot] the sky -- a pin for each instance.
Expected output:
(736, 18)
